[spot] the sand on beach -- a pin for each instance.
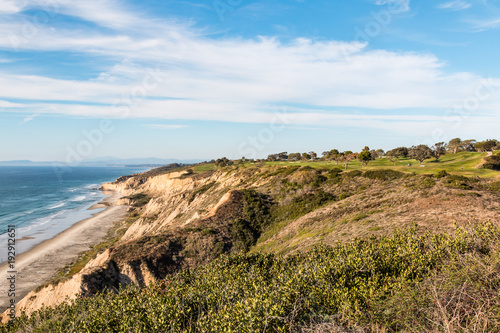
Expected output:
(39, 264)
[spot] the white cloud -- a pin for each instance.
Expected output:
(9, 7)
(5, 104)
(454, 5)
(164, 126)
(28, 118)
(192, 76)
(396, 6)
(487, 24)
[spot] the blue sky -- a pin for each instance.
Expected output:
(204, 79)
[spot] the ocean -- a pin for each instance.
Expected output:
(40, 203)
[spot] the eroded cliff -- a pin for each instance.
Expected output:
(185, 219)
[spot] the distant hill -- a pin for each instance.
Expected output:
(106, 161)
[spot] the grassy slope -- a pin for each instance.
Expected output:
(452, 163)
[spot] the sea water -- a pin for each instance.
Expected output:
(40, 202)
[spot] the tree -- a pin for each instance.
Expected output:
(306, 156)
(294, 157)
(345, 159)
(468, 145)
(330, 155)
(283, 156)
(454, 145)
(313, 155)
(479, 146)
(222, 162)
(380, 152)
(488, 145)
(272, 157)
(278, 157)
(364, 157)
(366, 148)
(397, 153)
(394, 159)
(420, 153)
(438, 150)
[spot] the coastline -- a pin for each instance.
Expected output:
(40, 263)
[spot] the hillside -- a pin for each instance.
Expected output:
(188, 217)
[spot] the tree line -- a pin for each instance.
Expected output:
(418, 152)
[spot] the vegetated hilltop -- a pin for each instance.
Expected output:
(188, 217)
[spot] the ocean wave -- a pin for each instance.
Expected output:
(78, 198)
(58, 205)
(41, 221)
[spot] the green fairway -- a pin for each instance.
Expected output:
(452, 163)
(204, 167)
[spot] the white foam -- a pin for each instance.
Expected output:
(57, 206)
(78, 198)
(41, 221)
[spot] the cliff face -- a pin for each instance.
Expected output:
(191, 219)
(151, 247)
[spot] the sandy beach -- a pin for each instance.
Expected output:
(39, 264)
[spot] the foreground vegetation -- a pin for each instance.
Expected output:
(406, 281)
(297, 246)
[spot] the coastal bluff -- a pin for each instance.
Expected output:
(182, 219)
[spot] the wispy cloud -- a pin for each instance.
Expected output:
(454, 5)
(230, 79)
(9, 6)
(28, 118)
(164, 126)
(487, 24)
(397, 5)
(5, 104)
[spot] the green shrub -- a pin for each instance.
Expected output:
(255, 218)
(492, 162)
(359, 216)
(495, 186)
(302, 205)
(343, 196)
(458, 181)
(318, 180)
(200, 190)
(208, 231)
(285, 170)
(384, 174)
(441, 174)
(139, 199)
(405, 282)
(352, 174)
(334, 173)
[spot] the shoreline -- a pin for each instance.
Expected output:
(40, 263)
